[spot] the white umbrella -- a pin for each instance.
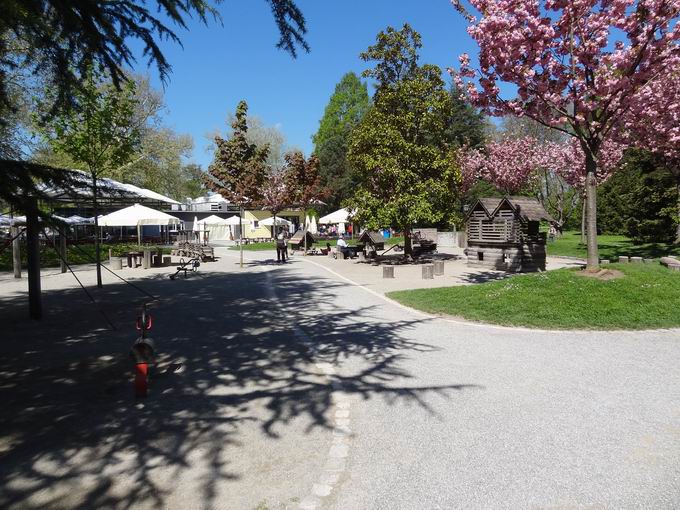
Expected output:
(307, 221)
(341, 228)
(313, 228)
(339, 216)
(195, 227)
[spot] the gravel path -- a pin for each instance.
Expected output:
(287, 387)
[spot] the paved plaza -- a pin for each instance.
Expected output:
(301, 386)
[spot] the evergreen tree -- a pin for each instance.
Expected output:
(466, 126)
(344, 111)
(640, 201)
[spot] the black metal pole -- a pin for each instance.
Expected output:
(33, 255)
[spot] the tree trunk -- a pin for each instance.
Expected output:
(677, 228)
(62, 249)
(240, 233)
(274, 227)
(408, 247)
(593, 259)
(304, 230)
(97, 247)
(16, 251)
(583, 219)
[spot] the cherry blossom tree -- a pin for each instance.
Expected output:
(276, 196)
(509, 164)
(515, 164)
(578, 66)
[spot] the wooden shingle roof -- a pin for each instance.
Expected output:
(527, 208)
(371, 236)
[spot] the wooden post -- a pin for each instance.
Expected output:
(16, 251)
(33, 255)
(62, 249)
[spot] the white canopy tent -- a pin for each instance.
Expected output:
(220, 228)
(339, 216)
(269, 222)
(233, 220)
(136, 216)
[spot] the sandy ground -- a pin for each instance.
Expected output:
(410, 276)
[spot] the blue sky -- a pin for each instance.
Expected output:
(220, 65)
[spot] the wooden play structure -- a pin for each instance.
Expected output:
(503, 233)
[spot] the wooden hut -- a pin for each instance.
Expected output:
(370, 242)
(503, 233)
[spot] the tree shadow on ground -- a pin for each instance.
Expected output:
(230, 356)
(485, 276)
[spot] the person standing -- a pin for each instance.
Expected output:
(286, 236)
(280, 248)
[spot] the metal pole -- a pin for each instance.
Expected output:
(33, 255)
(240, 227)
(16, 251)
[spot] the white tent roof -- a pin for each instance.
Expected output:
(6, 220)
(137, 215)
(339, 216)
(215, 220)
(233, 220)
(268, 222)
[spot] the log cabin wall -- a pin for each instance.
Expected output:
(501, 239)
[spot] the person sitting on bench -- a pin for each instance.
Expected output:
(344, 249)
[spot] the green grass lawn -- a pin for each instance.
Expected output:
(648, 296)
(610, 247)
(79, 254)
(318, 244)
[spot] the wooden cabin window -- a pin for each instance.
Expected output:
(532, 229)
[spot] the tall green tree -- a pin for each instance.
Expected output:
(239, 169)
(158, 159)
(466, 126)
(640, 200)
(99, 134)
(344, 111)
(406, 168)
